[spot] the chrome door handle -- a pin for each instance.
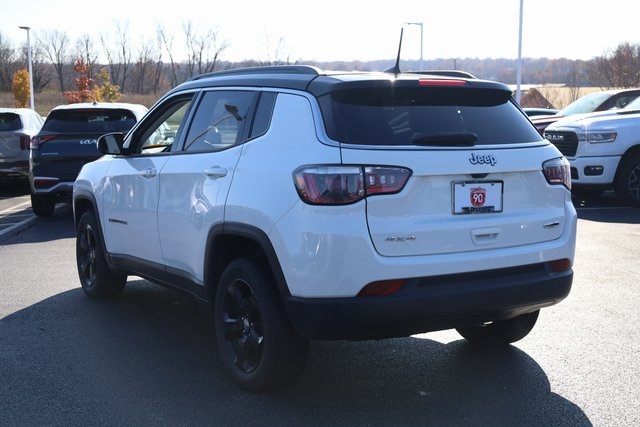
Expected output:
(215, 172)
(149, 173)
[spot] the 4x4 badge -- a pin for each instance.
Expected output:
(482, 159)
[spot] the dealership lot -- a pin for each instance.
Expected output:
(65, 360)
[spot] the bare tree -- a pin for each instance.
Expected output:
(8, 63)
(158, 71)
(118, 54)
(143, 68)
(55, 47)
(278, 54)
(617, 68)
(85, 50)
(204, 47)
(166, 41)
(39, 67)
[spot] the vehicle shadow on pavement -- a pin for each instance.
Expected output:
(149, 358)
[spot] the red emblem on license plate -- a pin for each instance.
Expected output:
(478, 196)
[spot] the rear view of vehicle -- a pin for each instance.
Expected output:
(17, 127)
(467, 209)
(362, 205)
(66, 142)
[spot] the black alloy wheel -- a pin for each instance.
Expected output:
(97, 279)
(259, 349)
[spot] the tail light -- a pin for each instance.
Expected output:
(342, 185)
(25, 141)
(38, 141)
(557, 171)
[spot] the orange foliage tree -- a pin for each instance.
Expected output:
(83, 83)
(20, 88)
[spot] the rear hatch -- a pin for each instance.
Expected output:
(68, 139)
(12, 149)
(476, 167)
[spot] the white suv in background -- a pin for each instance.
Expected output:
(311, 205)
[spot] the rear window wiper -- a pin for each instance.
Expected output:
(457, 139)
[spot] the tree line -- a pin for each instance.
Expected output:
(152, 66)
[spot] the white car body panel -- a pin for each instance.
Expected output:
(129, 218)
(193, 191)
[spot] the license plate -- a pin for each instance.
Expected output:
(477, 197)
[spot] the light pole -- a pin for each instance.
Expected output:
(519, 63)
(29, 65)
(421, 41)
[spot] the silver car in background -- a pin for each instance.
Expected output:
(17, 127)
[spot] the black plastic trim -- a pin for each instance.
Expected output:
(217, 257)
(157, 273)
(431, 304)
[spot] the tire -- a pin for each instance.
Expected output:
(627, 182)
(258, 347)
(42, 205)
(500, 333)
(97, 279)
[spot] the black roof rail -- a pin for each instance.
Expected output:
(268, 69)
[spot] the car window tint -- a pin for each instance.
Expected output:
(263, 114)
(164, 130)
(10, 121)
(89, 121)
(219, 120)
(623, 100)
(402, 116)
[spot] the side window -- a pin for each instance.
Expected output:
(161, 132)
(219, 120)
(624, 100)
(263, 114)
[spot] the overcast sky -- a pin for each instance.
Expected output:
(347, 29)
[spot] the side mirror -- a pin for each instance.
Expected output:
(111, 143)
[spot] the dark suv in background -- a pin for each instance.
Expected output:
(66, 142)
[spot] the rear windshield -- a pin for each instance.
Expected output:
(89, 121)
(10, 121)
(410, 116)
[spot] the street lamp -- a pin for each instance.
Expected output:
(421, 41)
(519, 63)
(29, 65)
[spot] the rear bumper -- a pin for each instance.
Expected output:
(61, 191)
(17, 169)
(431, 303)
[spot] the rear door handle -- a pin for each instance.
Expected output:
(149, 173)
(215, 172)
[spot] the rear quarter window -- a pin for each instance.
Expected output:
(89, 121)
(401, 116)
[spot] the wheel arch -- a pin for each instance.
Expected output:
(84, 202)
(230, 241)
(631, 151)
(630, 159)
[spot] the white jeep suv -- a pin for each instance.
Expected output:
(311, 205)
